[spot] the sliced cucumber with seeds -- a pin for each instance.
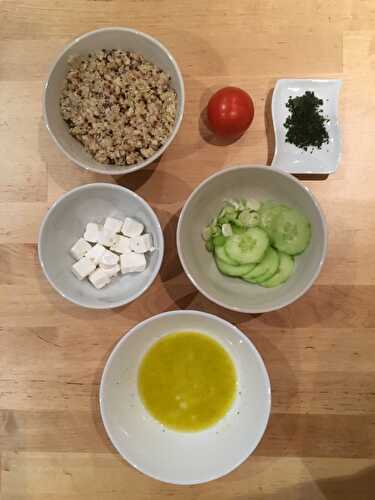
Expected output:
(268, 214)
(253, 204)
(248, 218)
(286, 268)
(234, 271)
(266, 268)
(238, 229)
(257, 241)
(219, 241)
(249, 247)
(291, 231)
(221, 254)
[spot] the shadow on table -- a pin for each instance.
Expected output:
(311, 177)
(151, 183)
(323, 306)
(156, 186)
(268, 123)
(359, 486)
(204, 131)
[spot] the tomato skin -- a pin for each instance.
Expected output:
(230, 112)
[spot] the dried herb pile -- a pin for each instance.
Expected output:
(306, 123)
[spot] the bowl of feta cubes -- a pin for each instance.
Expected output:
(100, 246)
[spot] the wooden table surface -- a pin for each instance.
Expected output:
(320, 351)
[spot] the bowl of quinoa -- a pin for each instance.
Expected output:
(114, 100)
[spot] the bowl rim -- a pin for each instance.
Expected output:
(283, 303)
(122, 169)
(188, 312)
(159, 230)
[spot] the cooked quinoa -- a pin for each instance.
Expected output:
(120, 106)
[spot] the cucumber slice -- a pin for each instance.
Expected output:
(266, 268)
(286, 268)
(221, 254)
(234, 271)
(206, 233)
(253, 204)
(249, 247)
(219, 241)
(238, 229)
(248, 218)
(291, 231)
(268, 274)
(268, 214)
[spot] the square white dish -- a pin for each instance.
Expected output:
(294, 160)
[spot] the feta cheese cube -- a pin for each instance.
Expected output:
(113, 225)
(106, 237)
(96, 252)
(141, 244)
(121, 244)
(80, 249)
(83, 268)
(132, 227)
(132, 263)
(108, 259)
(99, 278)
(92, 232)
(111, 271)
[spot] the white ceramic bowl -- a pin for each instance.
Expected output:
(178, 457)
(262, 183)
(65, 222)
(106, 38)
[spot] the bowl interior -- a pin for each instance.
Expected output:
(66, 222)
(178, 457)
(104, 39)
(262, 183)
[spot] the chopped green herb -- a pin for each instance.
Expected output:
(306, 123)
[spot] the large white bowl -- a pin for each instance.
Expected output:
(262, 183)
(106, 38)
(65, 222)
(178, 457)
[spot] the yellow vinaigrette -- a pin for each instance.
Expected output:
(187, 381)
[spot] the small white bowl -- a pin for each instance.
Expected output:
(106, 38)
(262, 183)
(183, 457)
(65, 222)
(295, 160)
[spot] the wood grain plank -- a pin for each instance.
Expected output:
(23, 174)
(346, 436)
(20, 222)
(326, 306)
(99, 476)
(296, 385)
(343, 394)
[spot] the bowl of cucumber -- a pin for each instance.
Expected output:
(252, 238)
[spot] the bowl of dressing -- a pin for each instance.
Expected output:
(185, 397)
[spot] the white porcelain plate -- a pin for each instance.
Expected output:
(183, 457)
(295, 160)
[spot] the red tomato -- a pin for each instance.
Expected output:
(230, 112)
